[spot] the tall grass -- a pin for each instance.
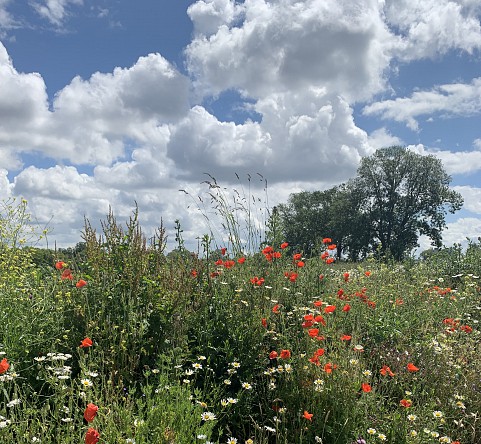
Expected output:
(265, 347)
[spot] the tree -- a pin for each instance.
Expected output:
(404, 195)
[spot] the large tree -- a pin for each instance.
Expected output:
(404, 195)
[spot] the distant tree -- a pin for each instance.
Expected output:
(404, 195)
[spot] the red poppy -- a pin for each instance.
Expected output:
(285, 354)
(313, 332)
(214, 274)
(385, 370)
(371, 304)
(90, 412)
(346, 338)
(92, 436)
(367, 273)
(4, 365)
(329, 367)
(67, 274)
(275, 309)
(320, 320)
(307, 324)
(267, 250)
(284, 245)
(324, 255)
(273, 354)
(315, 360)
(317, 303)
(307, 415)
(346, 276)
(329, 309)
(193, 273)
(329, 260)
(81, 283)
(229, 264)
(326, 240)
(332, 247)
(241, 260)
(406, 403)
(60, 264)
(86, 343)
(412, 368)
(223, 251)
(346, 308)
(300, 264)
(319, 352)
(219, 262)
(264, 322)
(366, 388)
(466, 328)
(297, 257)
(321, 277)
(257, 281)
(309, 317)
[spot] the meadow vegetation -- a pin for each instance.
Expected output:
(126, 344)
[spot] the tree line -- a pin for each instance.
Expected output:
(396, 196)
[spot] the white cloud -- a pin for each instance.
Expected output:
(382, 138)
(55, 11)
(472, 198)
(208, 15)
(433, 27)
(6, 19)
(459, 162)
(288, 46)
(455, 99)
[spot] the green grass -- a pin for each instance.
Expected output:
(182, 348)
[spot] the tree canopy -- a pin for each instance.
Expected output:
(396, 197)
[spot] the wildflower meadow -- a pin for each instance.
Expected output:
(127, 344)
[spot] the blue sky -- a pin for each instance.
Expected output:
(111, 102)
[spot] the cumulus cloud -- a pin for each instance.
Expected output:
(459, 162)
(433, 27)
(449, 100)
(472, 198)
(286, 46)
(55, 11)
(208, 15)
(382, 138)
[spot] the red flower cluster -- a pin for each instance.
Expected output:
(257, 281)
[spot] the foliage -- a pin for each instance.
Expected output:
(268, 348)
(396, 196)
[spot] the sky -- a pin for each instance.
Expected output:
(112, 104)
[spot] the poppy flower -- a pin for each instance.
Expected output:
(315, 360)
(219, 262)
(329, 367)
(229, 264)
(466, 328)
(273, 354)
(330, 309)
(319, 319)
(366, 388)
(90, 412)
(275, 309)
(307, 415)
(92, 436)
(267, 250)
(346, 276)
(86, 343)
(297, 257)
(264, 322)
(367, 273)
(60, 264)
(284, 245)
(412, 368)
(385, 370)
(319, 352)
(67, 274)
(313, 332)
(324, 255)
(326, 240)
(332, 247)
(307, 324)
(346, 338)
(223, 251)
(276, 255)
(300, 264)
(309, 317)
(285, 354)
(317, 303)
(4, 365)
(241, 260)
(81, 283)
(329, 260)
(346, 308)
(321, 277)
(406, 403)
(193, 273)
